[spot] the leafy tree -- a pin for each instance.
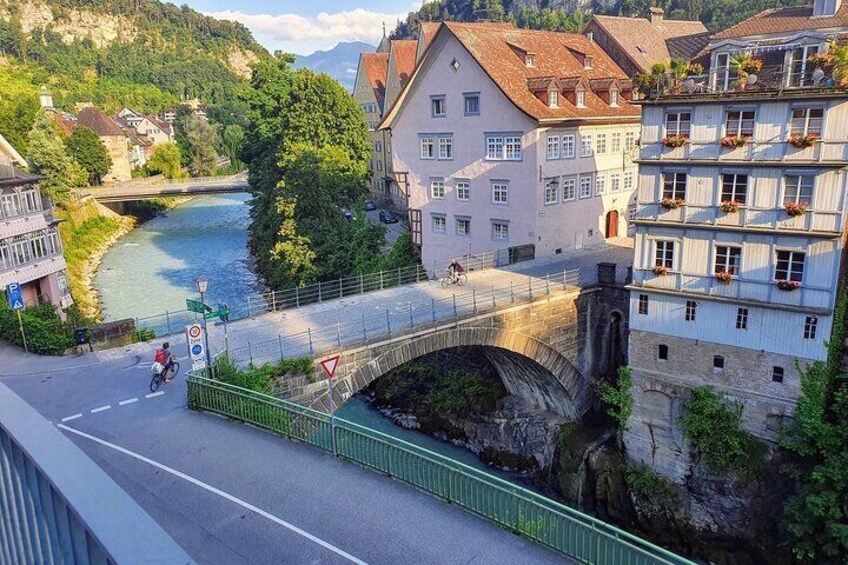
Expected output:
(17, 113)
(232, 138)
(199, 142)
(86, 148)
(47, 156)
(166, 160)
(617, 398)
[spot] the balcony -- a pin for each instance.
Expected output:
(823, 153)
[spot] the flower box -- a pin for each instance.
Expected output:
(796, 209)
(729, 206)
(724, 277)
(660, 270)
(672, 203)
(788, 286)
(802, 141)
(733, 141)
(675, 141)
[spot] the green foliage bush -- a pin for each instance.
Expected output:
(260, 379)
(46, 334)
(646, 483)
(617, 398)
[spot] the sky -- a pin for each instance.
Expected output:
(305, 26)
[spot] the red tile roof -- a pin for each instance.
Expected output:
(785, 20)
(404, 51)
(98, 122)
(429, 29)
(159, 123)
(376, 67)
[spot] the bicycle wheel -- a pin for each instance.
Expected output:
(175, 368)
(446, 282)
(462, 279)
(155, 382)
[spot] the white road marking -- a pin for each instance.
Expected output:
(101, 409)
(129, 401)
(154, 394)
(74, 417)
(222, 494)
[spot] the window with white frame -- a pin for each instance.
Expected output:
(445, 148)
(615, 143)
(629, 140)
(664, 253)
(674, 185)
(601, 144)
(807, 121)
(551, 191)
(438, 106)
(811, 325)
(798, 189)
(437, 188)
(789, 266)
(553, 98)
(678, 123)
(600, 184)
(691, 310)
(553, 146)
(512, 148)
(503, 148)
(585, 186)
(586, 149)
(569, 189)
(463, 190)
(500, 230)
(567, 145)
(439, 224)
(739, 122)
(734, 186)
(428, 148)
(741, 318)
(581, 99)
(724, 76)
(728, 258)
(463, 226)
(615, 182)
(628, 181)
(500, 193)
(613, 98)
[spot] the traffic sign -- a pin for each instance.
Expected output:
(219, 314)
(15, 296)
(329, 365)
(197, 306)
(194, 337)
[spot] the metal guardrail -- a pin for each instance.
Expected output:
(545, 521)
(58, 506)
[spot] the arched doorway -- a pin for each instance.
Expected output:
(612, 223)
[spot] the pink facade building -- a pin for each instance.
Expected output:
(513, 141)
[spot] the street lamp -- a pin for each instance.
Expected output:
(201, 284)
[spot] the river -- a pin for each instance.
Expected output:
(153, 268)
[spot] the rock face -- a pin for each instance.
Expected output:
(102, 29)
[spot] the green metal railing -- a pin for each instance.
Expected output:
(563, 529)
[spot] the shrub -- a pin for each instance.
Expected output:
(617, 398)
(46, 334)
(143, 334)
(644, 482)
(713, 427)
(259, 379)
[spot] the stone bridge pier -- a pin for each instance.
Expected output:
(547, 352)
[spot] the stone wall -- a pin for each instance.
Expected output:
(117, 148)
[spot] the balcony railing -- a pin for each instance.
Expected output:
(24, 250)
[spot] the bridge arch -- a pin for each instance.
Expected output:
(529, 367)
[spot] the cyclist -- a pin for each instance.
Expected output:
(454, 270)
(165, 358)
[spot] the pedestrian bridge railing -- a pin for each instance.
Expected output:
(545, 521)
(58, 506)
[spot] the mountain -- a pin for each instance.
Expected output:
(340, 62)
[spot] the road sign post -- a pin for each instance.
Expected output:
(196, 347)
(16, 302)
(329, 367)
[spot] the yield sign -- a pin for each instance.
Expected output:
(329, 365)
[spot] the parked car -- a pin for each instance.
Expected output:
(370, 205)
(388, 217)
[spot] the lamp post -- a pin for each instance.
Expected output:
(201, 284)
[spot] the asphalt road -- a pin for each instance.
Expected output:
(393, 231)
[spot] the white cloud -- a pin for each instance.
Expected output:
(358, 24)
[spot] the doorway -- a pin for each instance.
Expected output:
(612, 224)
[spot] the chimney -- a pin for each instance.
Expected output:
(591, 36)
(826, 8)
(657, 14)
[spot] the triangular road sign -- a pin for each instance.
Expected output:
(329, 365)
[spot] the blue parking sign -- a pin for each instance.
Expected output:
(15, 296)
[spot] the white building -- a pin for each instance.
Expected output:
(739, 232)
(513, 141)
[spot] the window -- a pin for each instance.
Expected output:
(503, 148)
(528, 61)
(378, 147)
(799, 65)
(615, 182)
(512, 148)
(807, 121)
(734, 187)
(379, 165)
(586, 145)
(437, 105)
(662, 352)
(551, 191)
(630, 140)
(777, 374)
(463, 190)
(567, 145)
(798, 189)
(600, 184)
(728, 259)
(581, 99)
(674, 186)
(601, 144)
(553, 146)
(739, 122)
(741, 318)
(437, 189)
(463, 226)
(445, 148)
(615, 142)
(628, 181)
(500, 230)
(678, 123)
(691, 307)
(439, 224)
(428, 148)
(642, 305)
(553, 98)
(568, 189)
(724, 77)
(790, 266)
(500, 193)
(811, 324)
(718, 363)
(472, 104)
(664, 253)
(613, 98)
(585, 186)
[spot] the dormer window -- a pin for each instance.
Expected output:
(528, 60)
(581, 98)
(587, 63)
(613, 98)
(553, 99)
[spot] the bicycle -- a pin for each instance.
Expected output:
(159, 378)
(458, 279)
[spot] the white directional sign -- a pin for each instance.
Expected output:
(194, 340)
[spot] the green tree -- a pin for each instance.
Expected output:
(86, 148)
(47, 156)
(166, 160)
(17, 114)
(232, 138)
(201, 139)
